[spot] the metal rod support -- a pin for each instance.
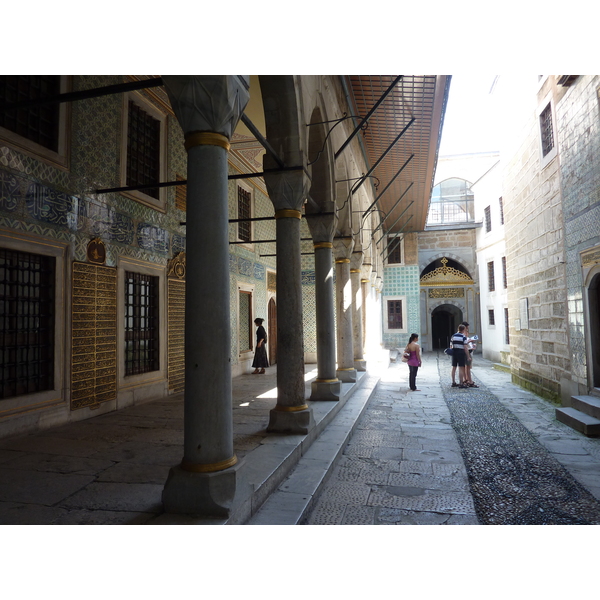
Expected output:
(396, 139)
(368, 116)
(403, 226)
(401, 215)
(118, 88)
(387, 186)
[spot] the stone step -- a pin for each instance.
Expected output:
(579, 421)
(590, 405)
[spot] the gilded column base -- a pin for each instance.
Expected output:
(296, 422)
(360, 364)
(199, 494)
(328, 389)
(347, 375)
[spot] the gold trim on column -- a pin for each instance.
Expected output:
(339, 261)
(327, 380)
(322, 245)
(364, 281)
(288, 212)
(186, 465)
(291, 408)
(347, 369)
(354, 270)
(206, 138)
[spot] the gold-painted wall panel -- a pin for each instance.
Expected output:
(94, 340)
(176, 334)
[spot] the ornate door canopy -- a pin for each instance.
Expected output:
(445, 276)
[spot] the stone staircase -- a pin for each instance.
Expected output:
(583, 415)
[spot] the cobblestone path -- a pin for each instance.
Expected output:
(446, 455)
(513, 479)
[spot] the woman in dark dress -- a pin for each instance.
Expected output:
(260, 356)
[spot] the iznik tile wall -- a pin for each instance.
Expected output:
(402, 281)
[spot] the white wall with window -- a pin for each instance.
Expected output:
(491, 261)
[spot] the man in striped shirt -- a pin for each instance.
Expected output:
(459, 342)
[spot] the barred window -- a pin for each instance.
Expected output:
(506, 333)
(244, 212)
(546, 130)
(143, 149)
(504, 277)
(491, 281)
(246, 333)
(395, 254)
(26, 323)
(394, 314)
(141, 323)
(488, 219)
(491, 317)
(501, 210)
(39, 124)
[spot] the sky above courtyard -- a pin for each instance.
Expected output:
(469, 125)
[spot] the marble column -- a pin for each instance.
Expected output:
(326, 386)
(365, 284)
(346, 371)
(288, 191)
(208, 109)
(357, 309)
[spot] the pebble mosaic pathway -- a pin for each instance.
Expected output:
(513, 479)
(448, 456)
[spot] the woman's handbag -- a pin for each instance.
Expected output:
(405, 355)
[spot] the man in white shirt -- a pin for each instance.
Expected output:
(458, 342)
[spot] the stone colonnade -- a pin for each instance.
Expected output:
(208, 109)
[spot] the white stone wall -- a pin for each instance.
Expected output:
(491, 248)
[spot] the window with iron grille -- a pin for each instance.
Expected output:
(39, 124)
(491, 317)
(244, 212)
(395, 254)
(141, 323)
(394, 314)
(143, 149)
(506, 333)
(546, 130)
(501, 210)
(26, 323)
(491, 282)
(504, 277)
(488, 219)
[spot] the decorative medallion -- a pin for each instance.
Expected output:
(176, 266)
(96, 251)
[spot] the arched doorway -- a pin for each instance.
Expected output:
(444, 323)
(594, 328)
(272, 333)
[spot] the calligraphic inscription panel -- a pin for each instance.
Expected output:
(176, 335)
(94, 348)
(447, 293)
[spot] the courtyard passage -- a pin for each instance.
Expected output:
(488, 455)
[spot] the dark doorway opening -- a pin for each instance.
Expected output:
(444, 323)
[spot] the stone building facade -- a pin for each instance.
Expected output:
(534, 232)
(578, 138)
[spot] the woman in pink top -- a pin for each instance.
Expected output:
(414, 362)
